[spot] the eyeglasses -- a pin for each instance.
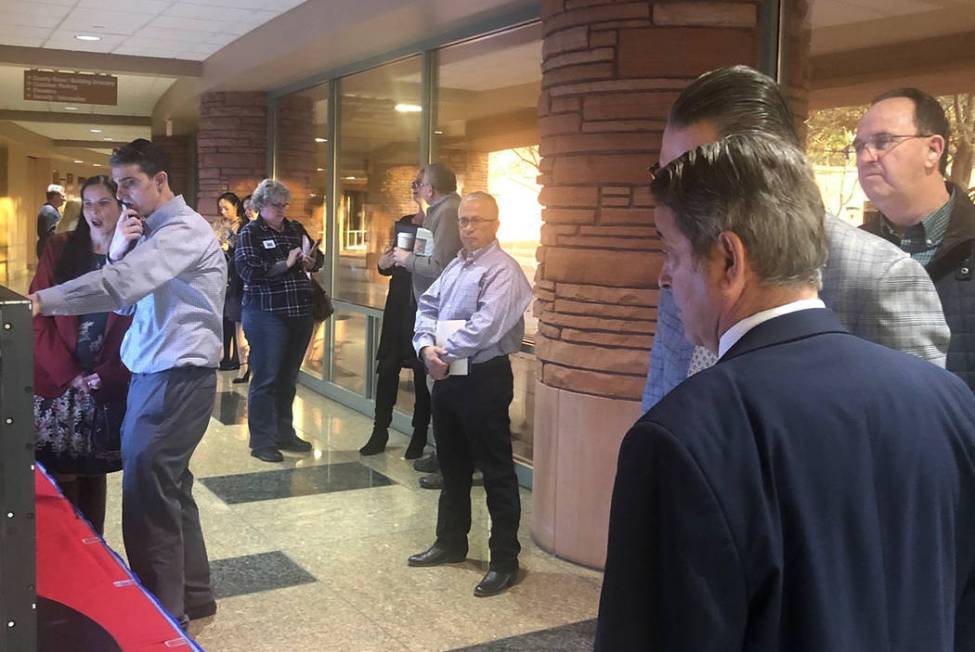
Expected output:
(279, 207)
(416, 183)
(880, 144)
(473, 221)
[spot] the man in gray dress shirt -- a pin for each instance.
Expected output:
(173, 283)
(486, 292)
(875, 289)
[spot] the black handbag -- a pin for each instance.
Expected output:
(321, 303)
(106, 435)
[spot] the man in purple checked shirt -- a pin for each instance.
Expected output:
(486, 289)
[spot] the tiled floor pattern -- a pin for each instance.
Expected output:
(310, 554)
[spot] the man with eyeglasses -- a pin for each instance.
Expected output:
(438, 188)
(877, 291)
(485, 293)
(901, 152)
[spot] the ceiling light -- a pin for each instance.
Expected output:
(87, 37)
(349, 178)
(408, 108)
(77, 161)
(438, 132)
(319, 169)
(95, 131)
(70, 108)
(97, 165)
(321, 140)
(107, 138)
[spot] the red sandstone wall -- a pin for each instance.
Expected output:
(611, 70)
(231, 147)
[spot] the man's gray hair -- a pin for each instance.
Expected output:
(266, 192)
(441, 178)
(480, 195)
(762, 189)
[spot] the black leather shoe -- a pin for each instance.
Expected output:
(296, 446)
(428, 464)
(495, 582)
(240, 380)
(377, 442)
(417, 443)
(435, 556)
(432, 481)
(267, 454)
(202, 611)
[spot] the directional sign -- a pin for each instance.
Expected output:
(73, 87)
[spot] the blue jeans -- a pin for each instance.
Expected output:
(278, 345)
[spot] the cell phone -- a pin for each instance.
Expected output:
(126, 206)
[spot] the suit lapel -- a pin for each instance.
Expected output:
(787, 328)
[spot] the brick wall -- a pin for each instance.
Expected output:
(179, 150)
(611, 70)
(297, 161)
(231, 147)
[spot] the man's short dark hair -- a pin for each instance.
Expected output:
(51, 195)
(929, 115)
(736, 100)
(149, 157)
(759, 187)
(441, 178)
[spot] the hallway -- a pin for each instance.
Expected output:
(310, 554)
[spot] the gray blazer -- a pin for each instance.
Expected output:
(441, 220)
(878, 292)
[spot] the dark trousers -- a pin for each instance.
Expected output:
(167, 415)
(87, 494)
(387, 388)
(230, 349)
(470, 419)
(278, 346)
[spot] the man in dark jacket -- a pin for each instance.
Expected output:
(812, 490)
(902, 152)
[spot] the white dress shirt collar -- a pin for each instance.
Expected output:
(736, 332)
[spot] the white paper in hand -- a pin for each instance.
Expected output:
(444, 330)
(423, 244)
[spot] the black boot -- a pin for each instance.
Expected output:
(243, 379)
(417, 443)
(376, 443)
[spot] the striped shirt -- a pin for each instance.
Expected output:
(173, 283)
(922, 240)
(488, 290)
(261, 259)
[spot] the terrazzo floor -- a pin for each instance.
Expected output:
(310, 553)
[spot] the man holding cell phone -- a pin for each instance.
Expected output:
(166, 268)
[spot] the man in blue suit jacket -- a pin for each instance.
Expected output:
(812, 490)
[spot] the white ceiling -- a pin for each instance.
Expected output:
(114, 133)
(179, 29)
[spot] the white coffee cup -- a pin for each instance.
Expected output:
(404, 241)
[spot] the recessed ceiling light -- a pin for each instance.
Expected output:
(321, 140)
(87, 37)
(97, 165)
(319, 169)
(438, 132)
(408, 108)
(107, 138)
(95, 131)
(349, 178)
(70, 108)
(77, 161)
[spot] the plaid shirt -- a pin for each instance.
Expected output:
(922, 240)
(261, 259)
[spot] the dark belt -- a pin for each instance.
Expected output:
(496, 361)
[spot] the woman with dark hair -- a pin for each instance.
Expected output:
(232, 220)
(80, 382)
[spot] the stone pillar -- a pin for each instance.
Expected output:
(231, 147)
(611, 70)
(179, 150)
